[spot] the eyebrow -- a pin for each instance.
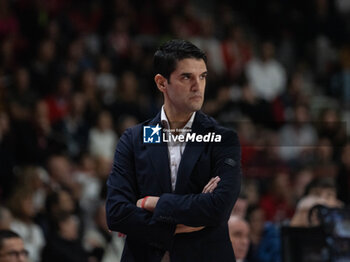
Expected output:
(189, 74)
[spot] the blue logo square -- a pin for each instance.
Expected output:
(151, 134)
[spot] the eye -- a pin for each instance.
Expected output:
(186, 76)
(203, 76)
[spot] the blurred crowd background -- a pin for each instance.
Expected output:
(75, 74)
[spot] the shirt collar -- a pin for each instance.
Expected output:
(165, 121)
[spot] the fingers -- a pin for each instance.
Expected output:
(139, 202)
(205, 189)
(180, 228)
(212, 184)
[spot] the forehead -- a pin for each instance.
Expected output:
(13, 243)
(239, 226)
(190, 65)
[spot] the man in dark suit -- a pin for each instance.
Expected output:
(173, 197)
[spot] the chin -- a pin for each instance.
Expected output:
(197, 107)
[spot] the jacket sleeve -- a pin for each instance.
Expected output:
(122, 193)
(207, 209)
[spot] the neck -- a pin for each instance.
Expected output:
(176, 119)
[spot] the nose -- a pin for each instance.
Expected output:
(245, 241)
(195, 84)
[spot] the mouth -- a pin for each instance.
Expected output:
(196, 97)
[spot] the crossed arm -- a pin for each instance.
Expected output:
(149, 203)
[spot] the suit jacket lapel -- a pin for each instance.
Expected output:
(158, 154)
(191, 153)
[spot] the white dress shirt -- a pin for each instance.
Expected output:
(175, 149)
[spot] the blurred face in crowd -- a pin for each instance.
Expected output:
(105, 121)
(184, 90)
(13, 250)
(239, 235)
(22, 79)
(5, 218)
(60, 169)
(69, 228)
(346, 156)
(240, 207)
(301, 115)
(47, 50)
(268, 51)
(27, 207)
(66, 202)
(256, 221)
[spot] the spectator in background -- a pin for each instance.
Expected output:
(124, 122)
(21, 97)
(253, 106)
(323, 160)
(298, 138)
(297, 92)
(35, 139)
(130, 100)
(74, 127)
(44, 67)
(240, 207)
(300, 179)
(211, 45)
(277, 203)
(239, 235)
(5, 218)
(57, 202)
(7, 155)
(61, 174)
(22, 206)
(118, 39)
(91, 184)
(100, 242)
(64, 244)
(265, 160)
(343, 177)
(102, 137)
(9, 24)
(340, 81)
(251, 189)
(88, 86)
(106, 81)
(265, 243)
(237, 52)
(332, 127)
(9, 55)
(320, 191)
(12, 247)
(266, 75)
(76, 60)
(58, 102)
(36, 179)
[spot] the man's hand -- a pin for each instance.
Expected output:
(149, 203)
(180, 228)
(212, 184)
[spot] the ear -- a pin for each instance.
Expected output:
(160, 82)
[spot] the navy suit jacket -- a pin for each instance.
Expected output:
(142, 169)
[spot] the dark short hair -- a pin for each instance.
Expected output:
(169, 53)
(6, 234)
(322, 183)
